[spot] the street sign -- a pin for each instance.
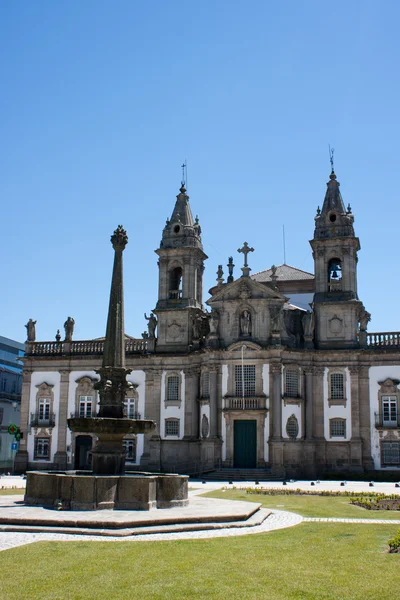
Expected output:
(14, 446)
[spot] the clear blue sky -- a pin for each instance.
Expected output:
(102, 101)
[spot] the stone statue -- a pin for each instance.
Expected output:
(308, 324)
(276, 318)
(58, 336)
(245, 322)
(364, 318)
(31, 330)
(214, 322)
(196, 327)
(69, 329)
(152, 324)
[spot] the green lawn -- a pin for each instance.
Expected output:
(310, 561)
(309, 506)
(7, 492)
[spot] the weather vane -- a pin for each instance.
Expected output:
(331, 151)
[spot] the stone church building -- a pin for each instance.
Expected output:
(277, 373)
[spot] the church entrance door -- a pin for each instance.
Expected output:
(83, 447)
(245, 444)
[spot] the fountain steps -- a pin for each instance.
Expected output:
(203, 514)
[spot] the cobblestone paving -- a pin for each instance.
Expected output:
(332, 520)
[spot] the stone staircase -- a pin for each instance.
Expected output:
(237, 475)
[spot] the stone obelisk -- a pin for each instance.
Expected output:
(109, 453)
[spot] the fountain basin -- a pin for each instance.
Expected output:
(103, 425)
(82, 490)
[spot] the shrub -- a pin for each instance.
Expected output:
(394, 544)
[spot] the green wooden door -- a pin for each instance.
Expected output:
(245, 444)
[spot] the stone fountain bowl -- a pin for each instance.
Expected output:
(99, 425)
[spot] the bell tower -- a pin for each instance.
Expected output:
(336, 305)
(180, 287)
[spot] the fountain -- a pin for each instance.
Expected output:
(107, 486)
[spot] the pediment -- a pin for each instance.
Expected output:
(245, 288)
(237, 346)
(389, 386)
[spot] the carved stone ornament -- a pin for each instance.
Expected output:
(292, 427)
(335, 325)
(174, 330)
(205, 427)
(390, 436)
(119, 238)
(244, 291)
(85, 385)
(389, 386)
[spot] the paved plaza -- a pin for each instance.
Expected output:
(261, 521)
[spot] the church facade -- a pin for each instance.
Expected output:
(278, 372)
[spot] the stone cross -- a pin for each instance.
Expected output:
(245, 250)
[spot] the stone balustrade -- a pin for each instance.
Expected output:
(251, 403)
(87, 347)
(386, 340)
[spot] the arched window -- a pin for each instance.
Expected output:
(175, 283)
(335, 274)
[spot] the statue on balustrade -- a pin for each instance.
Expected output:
(69, 329)
(31, 330)
(151, 325)
(364, 318)
(245, 322)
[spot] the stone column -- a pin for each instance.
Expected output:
(276, 400)
(308, 402)
(22, 458)
(60, 457)
(151, 457)
(355, 442)
(365, 421)
(192, 407)
(214, 402)
(318, 403)
(355, 404)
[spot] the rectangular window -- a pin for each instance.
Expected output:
(130, 450)
(206, 385)
(245, 385)
(44, 409)
(391, 453)
(1, 414)
(291, 383)
(173, 388)
(337, 386)
(131, 408)
(337, 427)
(172, 427)
(389, 409)
(85, 407)
(42, 448)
